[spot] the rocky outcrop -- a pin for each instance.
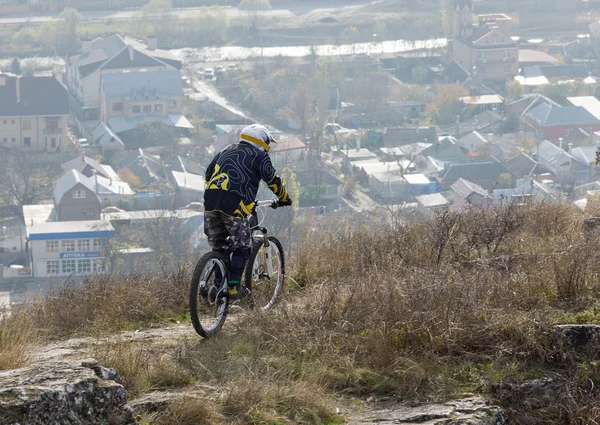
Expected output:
(466, 411)
(580, 337)
(533, 394)
(63, 393)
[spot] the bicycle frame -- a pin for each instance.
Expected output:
(254, 228)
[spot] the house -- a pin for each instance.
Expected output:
(432, 203)
(66, 248)
(446, 150)
(108, 140)
(188, 187)
(75, 198)
(129, 98)
(478, 147)
(590, 103)
(586, 155)
(483, 102)
(467, 193)
(320, 184)
(521, 165)
(529, 190)
(560, 162)
(554, 122)
(287, 150)
(109, 55)
(147, 167)
(531, 77)
(409, 109)
(405, 135)
(33, 114)
(526, 103)
(486, 50)
(485, 174)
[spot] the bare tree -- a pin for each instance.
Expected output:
(26, 180)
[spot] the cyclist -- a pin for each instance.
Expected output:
(232, 181)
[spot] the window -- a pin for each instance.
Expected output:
(158, 108)
(483, 55)
(98, 266)
(172, 104)
(68, 266)
(147, 108)
(79, 194)
(12, 121)
(84, 266)
(481, 70)
(52, 267)
(117, 107)
(68, 245)
(51, 246)
(507, 54)
(5, 140)
(83, 245)
(568, 132)
(494, 40)
(13, 140)
(135, 109)
(4, 122)
(52, 124)
(507, 68)
(53, 142)
(99, 244)
(27, 141)
(26, 124)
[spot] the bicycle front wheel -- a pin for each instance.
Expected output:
(208, 294)
(265, 273)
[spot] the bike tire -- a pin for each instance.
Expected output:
(261, 294)
(200, 307)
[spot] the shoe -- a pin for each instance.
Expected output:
(237, 292)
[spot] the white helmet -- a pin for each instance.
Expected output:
(257, 135)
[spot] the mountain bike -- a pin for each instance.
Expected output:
(263, 277)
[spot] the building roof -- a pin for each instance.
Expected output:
(455, 73)
(521, 165)
(416, 178)
(535, 56)
(461, 4)
(36, 96)
(464, 188)
(555, 116)
(142, 85)
(552, 154)
(475, 171)
(139, 160)
(104, 135)
(163, 55)
(403, 135)
(288, 144)
(129, 57)
(70, 230)
(79, 164)
(40, 213)
(151, 215)
(188, 181)
(590, 103)
(479, 32)
(472, 141)
(586, 155)
(575, 70)
(410, 150)
(432, 200)
(486, 99)
(68, 181)
(363, 153)
(316, 176)
(121, 124)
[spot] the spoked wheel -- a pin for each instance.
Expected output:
(265, 273)
(208, 294)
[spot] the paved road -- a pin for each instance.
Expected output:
(233, 13)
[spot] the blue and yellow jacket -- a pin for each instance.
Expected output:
(233, 176)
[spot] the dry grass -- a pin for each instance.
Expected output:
(17, 335)
(455, 304)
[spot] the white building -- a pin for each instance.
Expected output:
(59, 249)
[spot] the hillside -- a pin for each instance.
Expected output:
(373, 317)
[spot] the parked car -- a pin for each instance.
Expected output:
(209, 73)
(219, 70)
(112, 209)
(231, 67)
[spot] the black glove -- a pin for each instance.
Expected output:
(287, 203)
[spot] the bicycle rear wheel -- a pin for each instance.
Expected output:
(265, 273)
(208, 294)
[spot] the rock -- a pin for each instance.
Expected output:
(533, 394)
(62, 393)
(466, 411)
(579, 336)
